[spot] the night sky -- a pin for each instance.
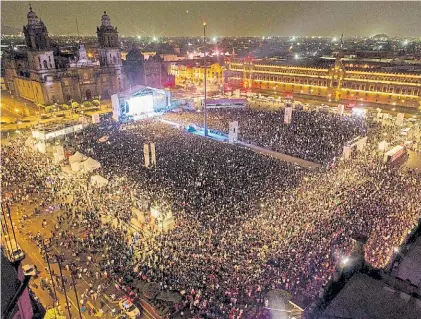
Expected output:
(224, 18)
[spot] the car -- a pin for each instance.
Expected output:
(129, 308)
(29, 270)
(15, 253)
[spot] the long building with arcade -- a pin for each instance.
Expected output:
(335, 83)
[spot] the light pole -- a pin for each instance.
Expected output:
(155, 213)
(205, 115)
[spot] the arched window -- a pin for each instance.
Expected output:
(45, 64)
(114, 60)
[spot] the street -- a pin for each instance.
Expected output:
(101, 306)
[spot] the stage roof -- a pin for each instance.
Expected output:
(139, 89)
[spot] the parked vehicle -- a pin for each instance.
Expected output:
(129, 308)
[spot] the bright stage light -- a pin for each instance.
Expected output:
(140, 104)
(359, 112)
(345, 261)
(154, 212)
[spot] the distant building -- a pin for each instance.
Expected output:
(361, 291)
(152, 72)
(40, 75)
(334, 83)
(192, 76)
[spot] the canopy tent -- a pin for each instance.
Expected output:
(30, 142)
(76, 166)
(98, 181)
(77, 157)
(90, 164)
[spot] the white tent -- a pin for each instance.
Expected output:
(90, 164)
(77, 157)
(30, 142)
(76, 166)
(41, 147)
(98, 181)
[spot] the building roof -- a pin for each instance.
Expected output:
(365, 297)
(9, 282)
(409, 267)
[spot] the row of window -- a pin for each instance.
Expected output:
(381, 88)
(292, 70)
(382, 78)
(276, 78)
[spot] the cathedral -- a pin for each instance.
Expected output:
(152, 72)
(39, 75)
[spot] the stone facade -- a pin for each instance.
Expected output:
(36, 76)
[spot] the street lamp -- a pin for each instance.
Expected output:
(155, 213)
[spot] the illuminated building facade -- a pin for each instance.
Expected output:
(191, 76)
(334, 83)
(37, 75)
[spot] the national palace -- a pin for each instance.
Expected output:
(335, 83)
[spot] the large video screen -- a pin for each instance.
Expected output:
(140, 104)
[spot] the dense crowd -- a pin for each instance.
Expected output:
(313, 136)
(244, 223)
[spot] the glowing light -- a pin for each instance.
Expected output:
(154, 212)
(334, 39)
(293, 38)
(296, 57)
(405, 42)
(214, 39)
(396, 249)
(155, 38)
(140, 104)
(345, 261)
(187, 11)
(358, 112)
(139, 37)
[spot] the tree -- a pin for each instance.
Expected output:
(49, 108)
(75, 104)
(95, 103)
(64, 106)
(87, 104)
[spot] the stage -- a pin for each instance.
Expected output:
(139, 102)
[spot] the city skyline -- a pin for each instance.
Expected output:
(155, 19)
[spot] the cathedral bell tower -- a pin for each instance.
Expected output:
(39, 49)
(109, 49)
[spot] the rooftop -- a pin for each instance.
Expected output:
(409, 267)
(9, 282)
(366, 297)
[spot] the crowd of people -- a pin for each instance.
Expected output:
(244, 223)
(313, 136)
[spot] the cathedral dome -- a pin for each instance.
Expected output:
(32, 17)
(105, 20)
(134, 55)
(31, 14)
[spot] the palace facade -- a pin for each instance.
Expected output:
(335, 83)
(40, 75)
